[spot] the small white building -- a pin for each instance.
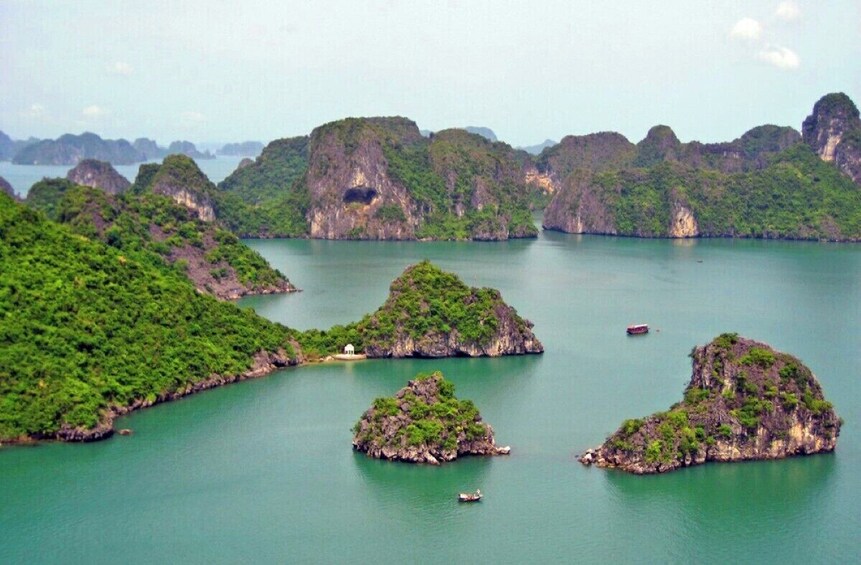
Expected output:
(349, 350)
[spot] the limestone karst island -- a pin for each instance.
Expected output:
(745, 401)
(424, 423)
(269, 272)
(141, 275)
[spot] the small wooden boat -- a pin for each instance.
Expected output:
(638, 329)
(469, 496)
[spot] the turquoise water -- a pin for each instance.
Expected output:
(263, 470)
(22, 177)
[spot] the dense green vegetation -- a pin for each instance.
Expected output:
(95, 317)
(85, 327)
(454, 170)
(140, 219)
(46, 195)
(750, 392)
(796, 196)
(424, 301)
(769, 183)
(460, 185)
(268, 197)
(179, 171)
(424, 414)
(596, 152)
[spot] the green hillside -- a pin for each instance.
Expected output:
(87, 328)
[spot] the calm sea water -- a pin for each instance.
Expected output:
(263, 471)
(22, 177)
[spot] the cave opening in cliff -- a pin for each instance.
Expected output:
(361, 194)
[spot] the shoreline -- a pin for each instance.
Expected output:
(264, 364)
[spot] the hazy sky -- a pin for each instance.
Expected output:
(230, 71)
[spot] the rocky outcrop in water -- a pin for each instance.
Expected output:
(595, 151)
(833, 131)
(745, 401)
(208, 265)
(432, 313)
(98, 174)
(424, 423)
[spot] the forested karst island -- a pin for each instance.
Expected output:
(772, 182)
(379, 178)
(70, 149)
(165, 211)
(91, 331)
(431, 313)
(745, 401)
(98, 319)
(424, 423)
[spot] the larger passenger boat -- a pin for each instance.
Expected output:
(637, 329)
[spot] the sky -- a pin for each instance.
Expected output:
(210, 70)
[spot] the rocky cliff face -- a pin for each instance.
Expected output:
(431, 313)
(352, 194)
(378, 178)
(179, 178)
(210, 270)
(98, 174)
(513, 336)
(833, 131)
(752, 151)
(424, 423)
(215, 261)
(745, 401)
(580, 206)
(683, 223)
